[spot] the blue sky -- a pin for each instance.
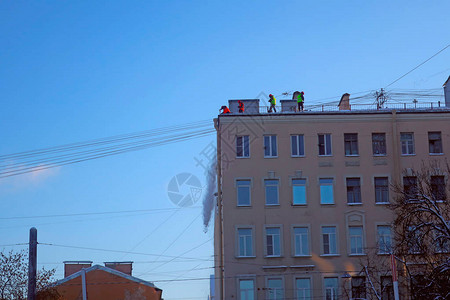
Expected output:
(73, 71)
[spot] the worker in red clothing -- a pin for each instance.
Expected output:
(224, 110)
(241, 106)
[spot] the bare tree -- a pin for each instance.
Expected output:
(14, 277)
(422, 230)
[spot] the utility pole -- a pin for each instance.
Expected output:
(32, 264)
(381, 98)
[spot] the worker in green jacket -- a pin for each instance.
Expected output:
(300, 100)
(272, 102)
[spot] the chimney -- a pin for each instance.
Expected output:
(447, 92)
(71, 267)
(121, 266)
(344, 104)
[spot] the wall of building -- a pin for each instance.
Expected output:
(338, 166)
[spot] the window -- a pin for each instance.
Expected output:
(243, 192)
(359, 287)
(353, 191)
(437, 186)
(435, 142)
(271, 191)
(331, 288)
(387, 289)
(410, 187)
(414, 239)
(351, 143)
(246, 289)
(379, 143)
(384, 239)
(242, 146)
(356, 239)
(273, 241)
(275, 290)
(245, 242)
(407, 142)
(299, 191)
(302, 289)
(442, 243)
(325, 144)
(326, 191)
(381, 190)
(329, 240)
(270, 146)
(301, 243)
(297, 145)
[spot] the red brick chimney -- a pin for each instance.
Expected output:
(71, 267)
(121, 266)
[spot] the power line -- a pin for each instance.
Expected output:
(418, 66)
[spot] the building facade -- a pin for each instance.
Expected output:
(303, 196)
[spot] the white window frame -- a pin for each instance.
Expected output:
(245, 139)
(237, 180)
(238, 244)
(352, 237)
(377, 144)
(292, 190)
(407, 143)
(375, 189)
(308, 238)
(381, 245)
(268, 278)
(326, 184)
(280, 228)
(270, 145)
(335, 292)
(245, 278)
(297, 145)
(311, 294)
(278, 191)
(325, 144)
(322, 245)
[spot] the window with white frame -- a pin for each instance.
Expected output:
(324, 144)
(246, 289)
(351, 144)
(301, 241)
(379, 143)
(270, 146)
(330, 288)
(243, 192)
(381, 189)
(326, 191)
(275, 288)
(435, 142)
(303, 289)
(329, 240)
(297, 145)
(273, 241)
(353, 190)
(245, 242)
(407, 143)
(384, 239)
(299, 191)
(356, 239)
(242, 146)
(271, 186)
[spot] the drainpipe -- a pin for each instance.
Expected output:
(219, 208)
(83, 283)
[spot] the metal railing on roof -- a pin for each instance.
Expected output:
(359, 107)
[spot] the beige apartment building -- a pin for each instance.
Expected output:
(303, 194)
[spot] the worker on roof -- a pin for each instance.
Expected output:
(300, 100)
(272, 102)
(224, 110)
(241, 106)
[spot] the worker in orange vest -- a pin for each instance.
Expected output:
(225, 110)
(241, 106)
